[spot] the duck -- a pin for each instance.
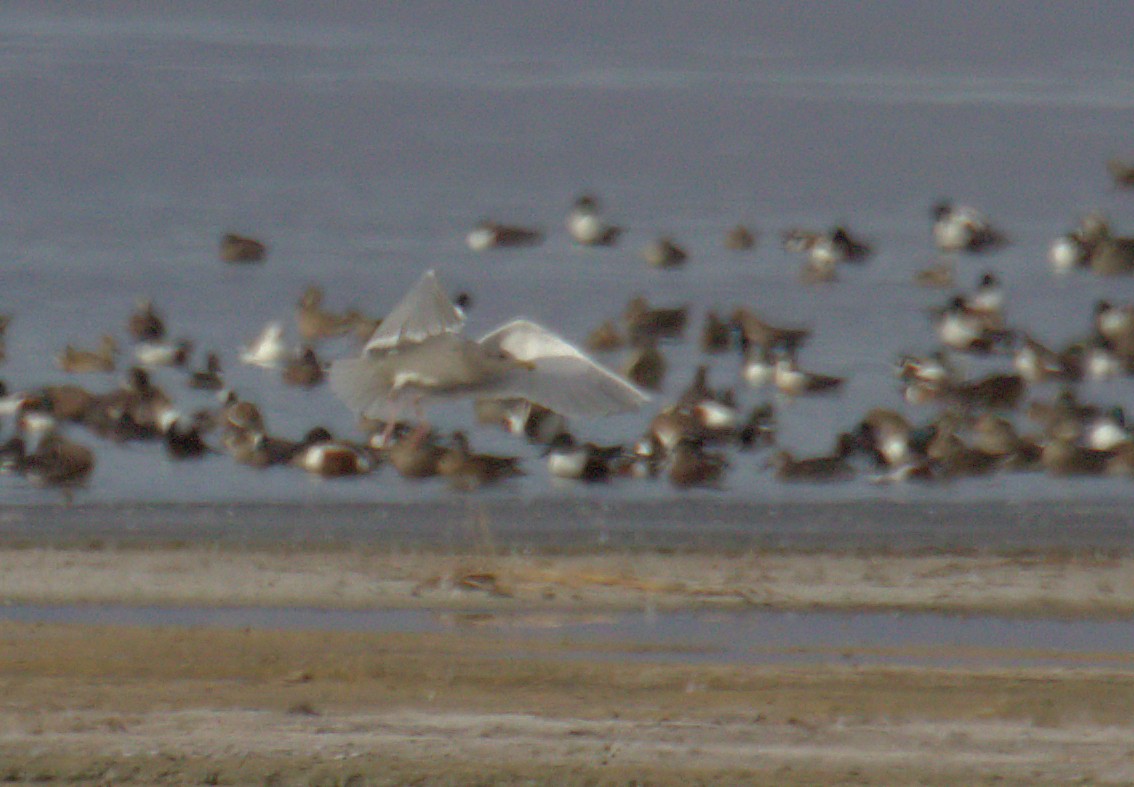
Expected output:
(133, 411)
(759, 428)
(304, 369)
(826, 249)
(1064, 457)
(792, 381)
(1036, 362)
(996, 436)
(153, 353)
(241, 249)
(1112, 255)
(1121, 172)
(314, 322)
(716, 333)
(1115, 326)
(961, 328)
(534, 422)
(320, 454)
(57, 461)
(690, 465)
(1068, 252)
(758, 366)
(996, 391)
(144, 323)
(468, 471)
(210, 377)
(605, 338)
(664, 253)
(5, 320)
(740, 238)
(646, 367)
(828, 468)
(886, 435)
(183, 442)
(586, 225)
(571, 460)
(415, 456)
(490, 234)
(79, 361)
(755, 330)
(940, 275)
(645, 323)
(963, 228)
(268, 350)
(1107, 431)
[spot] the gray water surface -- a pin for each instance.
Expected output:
(362, 141)
(749, 637)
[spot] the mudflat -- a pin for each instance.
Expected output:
(101, 704)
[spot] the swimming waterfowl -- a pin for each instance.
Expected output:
(690, 465)
(314, 322)
(966, 330)
(1115, 325)
(575, 461)
(759, 428)
(1063, 417)
(605, 338)
(664, 253)
(80, 361)
(1121, 172)
(1068, 252)
(1064, 457)
(963, 228)
(414, 456)
(939, 275)
(996, 436)
(825, 250)
(144, 323)
(833, 467)
(268, 350)
(4, 322)
(534, 422)
(739, 238)
(1112, 256)
(646, 323)
(716, 333)
(758, 366)
(320, 454)
(152, 353)
(468, 471)
(885, 434)
(1036, 362)
(790, 380)
(586, 225)
(240, 249)
(135, 410)
(754, 330)
(183, 441)
(304, 369)
(994, 391)
(59, 461)
(418, 351)
(1107, 431)
(210, 377)
(645, 367)
(494, 235)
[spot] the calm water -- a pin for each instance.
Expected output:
(363, 142)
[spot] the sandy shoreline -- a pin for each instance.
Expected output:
(97, 704)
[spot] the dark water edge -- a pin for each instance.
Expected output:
(756, 637)
(552, 525)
